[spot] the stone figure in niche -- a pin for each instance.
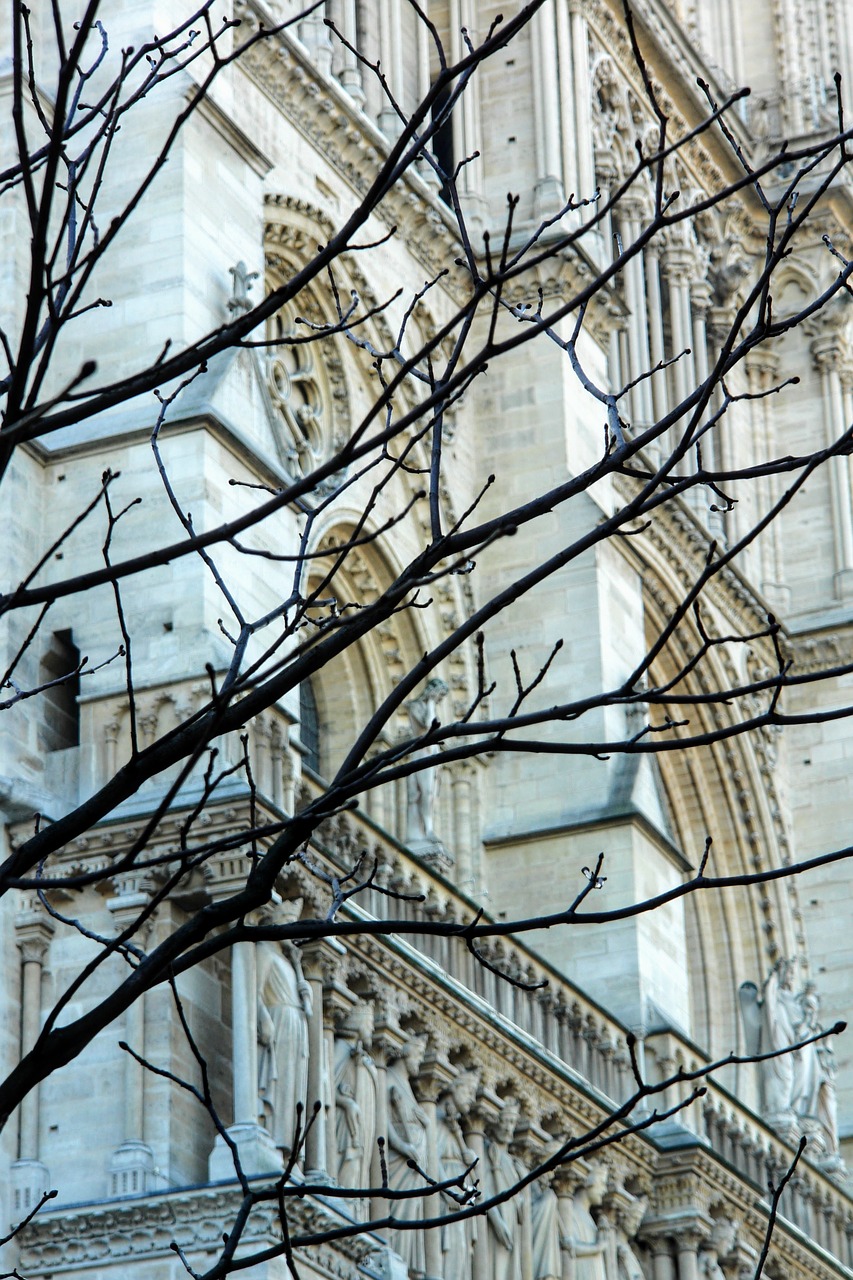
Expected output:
(454, 1158)
(584, 1242)
(815, 1079)
(422, 787)
(628, 1215)
(797, 1088)
(718, 1245)
(408, 1128)
(771, 1020)
(547, 1229)
(502, 1171)
(284, 1007)
(355, 1097)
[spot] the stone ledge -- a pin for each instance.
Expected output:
(117, 1232)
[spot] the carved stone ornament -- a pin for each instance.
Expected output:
(797, 1087)
(297, 386)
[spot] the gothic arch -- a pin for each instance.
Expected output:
(725, 790)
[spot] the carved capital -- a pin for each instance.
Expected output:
(829, 352)
(701, 296)
(679, 264)
(33, 932)
(321, 959)
(762, 366)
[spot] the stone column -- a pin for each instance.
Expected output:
(424, 48)
(428, 1098)
(131, 1166)
(30, 1177)
(244, 1032)
(277, 751)
(288, 780)
(319, 960)
(350, 73)
(548, 192)
(700, 301)
(638, 329)
(655, 313)
(110, 739)
(582, 102)
(470, 112)
(677, 263)
(663, 1262)
(475, 1135)
(828, 356)
(568, 123)
(461, 780)
(763, 371)
(257, 1151)
(314, 35)
(379, 1052)
(391, 57)
(687, 1243)
(331, 1110)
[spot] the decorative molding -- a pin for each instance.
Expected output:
(124, 1232)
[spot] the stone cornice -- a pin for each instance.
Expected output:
(327, 117)
(821, 650)
(123, 1232)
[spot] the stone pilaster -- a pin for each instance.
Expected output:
(255, 1146)
(548, 193)
(830, 355)
(319, 961)
(131, 1167)
(30, 1177)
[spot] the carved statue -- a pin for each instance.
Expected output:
(816, 1097)
(800, 1085)
(771, 1021)
(548, 1230)
(454, 1157)
(408, 1127)
(501, 1172)
(584, 1242)
(718, 1245)
(827, 1099)
(628, 1216)
(284, 1007)
(422, 787)
(355, 1098)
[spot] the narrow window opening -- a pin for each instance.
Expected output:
(61, 700)
(309, 727)
(442, 140)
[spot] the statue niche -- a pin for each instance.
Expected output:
(422, 787)
(502, 1171)
(355, 1097)
(798, 1086)
(284, 1007)
(455, 1157)
(565, 1230)
(408, 1129)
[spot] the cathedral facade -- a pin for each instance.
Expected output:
(425, 1054)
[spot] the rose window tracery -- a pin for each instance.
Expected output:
(296, 385)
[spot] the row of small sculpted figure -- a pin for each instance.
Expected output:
(554, 1224)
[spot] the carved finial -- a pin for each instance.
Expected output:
(243, 279)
